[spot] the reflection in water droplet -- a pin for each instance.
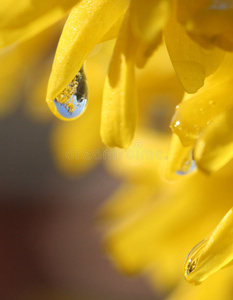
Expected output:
(191, 262)
(72, 102)
(188, 167)
(177, 124)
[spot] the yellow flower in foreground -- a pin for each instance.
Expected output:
(140, 34)
(151, 224)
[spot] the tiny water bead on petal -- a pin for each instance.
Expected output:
(191, 262)
(188, 168)
(72, 102)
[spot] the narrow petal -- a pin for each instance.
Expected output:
(191, 62)
(200, 109)
(86, 26)
(217, 287)
(215, 146)
(23, 19)
(212, 253)
(147, 19)
(77, 146)
(119, 109)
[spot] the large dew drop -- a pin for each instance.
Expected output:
(71, 103)
(191, 262)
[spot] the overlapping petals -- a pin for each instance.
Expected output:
(212, 253)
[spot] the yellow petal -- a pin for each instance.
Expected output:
(191, 62)
(209, 22)
(212, 253)
(119, 109)
(200, 109)
(77, 146)
(215, 146)
(155, 236)
(147, 19)
(217, 287)
(143, 161)
(86, 26)
(23, 19)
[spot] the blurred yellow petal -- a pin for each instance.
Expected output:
(212, 253)
(216, 288)
(200, 109)
(75, 151)
(209, 22)
(23, 19)
(119, 109)
(147, 20)
(191, 62)
(115, 209)
(86, 26)
(35, 106)
(215, 146)
(143, 161)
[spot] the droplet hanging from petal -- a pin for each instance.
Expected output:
(188, 167)
(191, 261)
(72, 101)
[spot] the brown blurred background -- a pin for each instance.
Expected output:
(50, 246)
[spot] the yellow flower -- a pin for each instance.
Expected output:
(150, 224)
(25, 69)
(205, 22)
(202, 123)
(139, 35)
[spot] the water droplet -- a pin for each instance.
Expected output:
(191, 261)
(177, 124)
(188, 167)
(202, 110)
(72, 101)
(212, 103)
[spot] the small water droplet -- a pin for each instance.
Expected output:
(71, 103)
(191, 261)
(202, 110)
(212, 103)
(177, 124)
(189, 166)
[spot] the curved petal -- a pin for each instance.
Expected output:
(23, 19)
(77, 146)
(212, 253)
(119, 109)
(85, 27)
(201, 108)
(215, 146)
(191, 62)
(147, 19)
(217, 287)
(209, 22)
